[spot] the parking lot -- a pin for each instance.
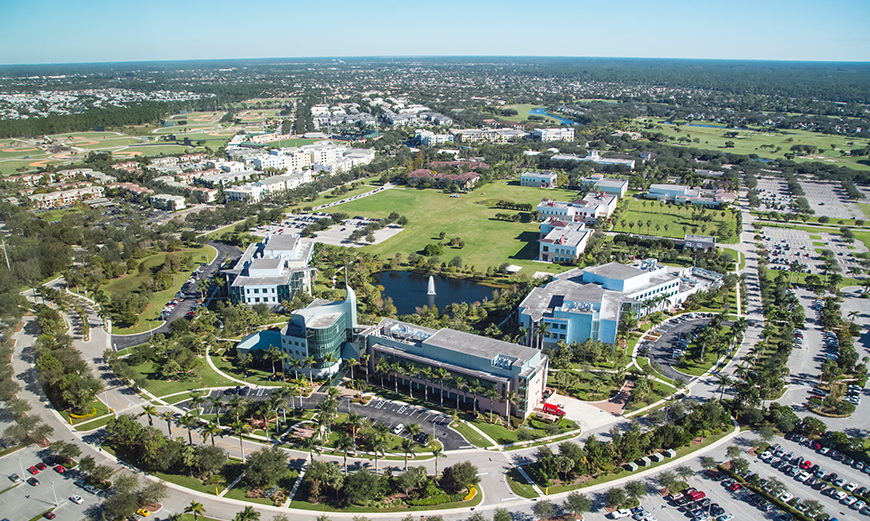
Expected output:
(22, 501)
(378, 411)
(774, 194)
(336, 235)
(828, 198)
(661, 351)
(797, 245)
(803, 491)
(663, 509)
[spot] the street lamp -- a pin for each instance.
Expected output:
(21, 466)
(54, 492)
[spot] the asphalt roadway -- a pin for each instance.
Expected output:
(661, 351)
(224, 250)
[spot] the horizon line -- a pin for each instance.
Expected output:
(435, 56)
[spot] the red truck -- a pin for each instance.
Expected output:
(549, 408)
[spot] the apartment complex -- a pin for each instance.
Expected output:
(562, 241)
(66, 197)
(167, 202)
(554, 134)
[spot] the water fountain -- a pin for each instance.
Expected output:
(431, 290)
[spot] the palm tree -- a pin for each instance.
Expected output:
(310, 444)
(203, 287)
(240, 428)
(188, 422)
(196, 401)
(442, 375)
(195, 509)
(355, 420)
(352, 362)
(329, 360)
(396, 368)
(407, 448)
(382, 367)
(365, 358)
(522, 331)
(309, 361)
(343, 444)
(212, 430)
(510, 397)
(295, 364)
(149, 410)
(492, 394)
(168, 417)
(438, 452)
(236, 405)
(475, 389)
(460, 385)
(216, 403)
(543, 327)
(379, 447)
(248, 514)
(723, 381)
(414, 429)
(426, 374)
(265, 411)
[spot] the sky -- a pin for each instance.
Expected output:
(55, 31)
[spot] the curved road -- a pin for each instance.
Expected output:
(225, 251)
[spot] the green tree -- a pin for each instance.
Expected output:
(615, 497)
(197, 509)
(544, 509)
(575, 503)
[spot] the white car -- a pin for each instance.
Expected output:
(849, 487)
(77, 500)
(399, 428)
(840, 495)
(786, 497)
(849, 501)
(803, 476)
(622, 512)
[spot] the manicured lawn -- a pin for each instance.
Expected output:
(160, 387)
(255, 376)
(676, 217)
(99, 410)
(503, 436)
(470, 434)
(94, 424)
(523, 113)
(750, 142)
(519, 485)
(660, 391)
(131, 284)
(737, 256)
(488, 242)
(584, 385)
(331, 196)
(287, 143)
(189, 482)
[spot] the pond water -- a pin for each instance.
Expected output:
(542, 112)
(408, 290)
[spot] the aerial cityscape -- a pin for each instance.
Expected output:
(266, 273)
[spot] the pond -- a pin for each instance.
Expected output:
(543, 112)
(408, 290)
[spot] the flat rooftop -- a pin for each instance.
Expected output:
(615, 271)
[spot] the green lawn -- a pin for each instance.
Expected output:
(287, 143)
(519, 485)
(99, 408)
(131, 284)
(488, 242)
(331, 197)
(750, 142)
(57, 215)
(255, 376)
(94, 424)
(503, 436)
(588, 386)
(471, 435)
(676, 217)
(160, 387)
(737, 256)
(660, 391)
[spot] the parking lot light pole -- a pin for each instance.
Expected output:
(54, 492)
(21, 466)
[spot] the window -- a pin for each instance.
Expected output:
(248, 291)
(256, 290)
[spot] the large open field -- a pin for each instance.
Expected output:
(750, 142)
(488, 242)
(674, 216)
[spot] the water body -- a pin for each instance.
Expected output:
(542, 112)
(409, 290)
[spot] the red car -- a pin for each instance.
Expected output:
(735, 487)
(41, 466)
(806, 464)
(59, 469)
(816, 445)
(49, 515)
(33, 470)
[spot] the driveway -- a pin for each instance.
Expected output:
(662, 350)
(432, 422)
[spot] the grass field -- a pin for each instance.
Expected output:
(131, 283)
(675, 216)
(157, 386)
(865, 209)
(750, 141)
(523, 113)
(286, 143)
(488, 242)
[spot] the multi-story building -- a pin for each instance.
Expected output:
(596, 158)
(554, 134)
(599, 183)
(682, 194)
(588, 210)
(328, 332)
(490, 135)
(270, 272)
(430, 139)
(587, 303)
(66, 197)
(700, 242)
(539, 179)
(167, 202)
(562, 241)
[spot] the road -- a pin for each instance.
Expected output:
(225, 251)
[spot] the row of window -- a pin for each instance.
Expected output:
(256, 300)
(257, 290)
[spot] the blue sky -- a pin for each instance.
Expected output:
(54, 31)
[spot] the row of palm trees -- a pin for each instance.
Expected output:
(445, 380)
